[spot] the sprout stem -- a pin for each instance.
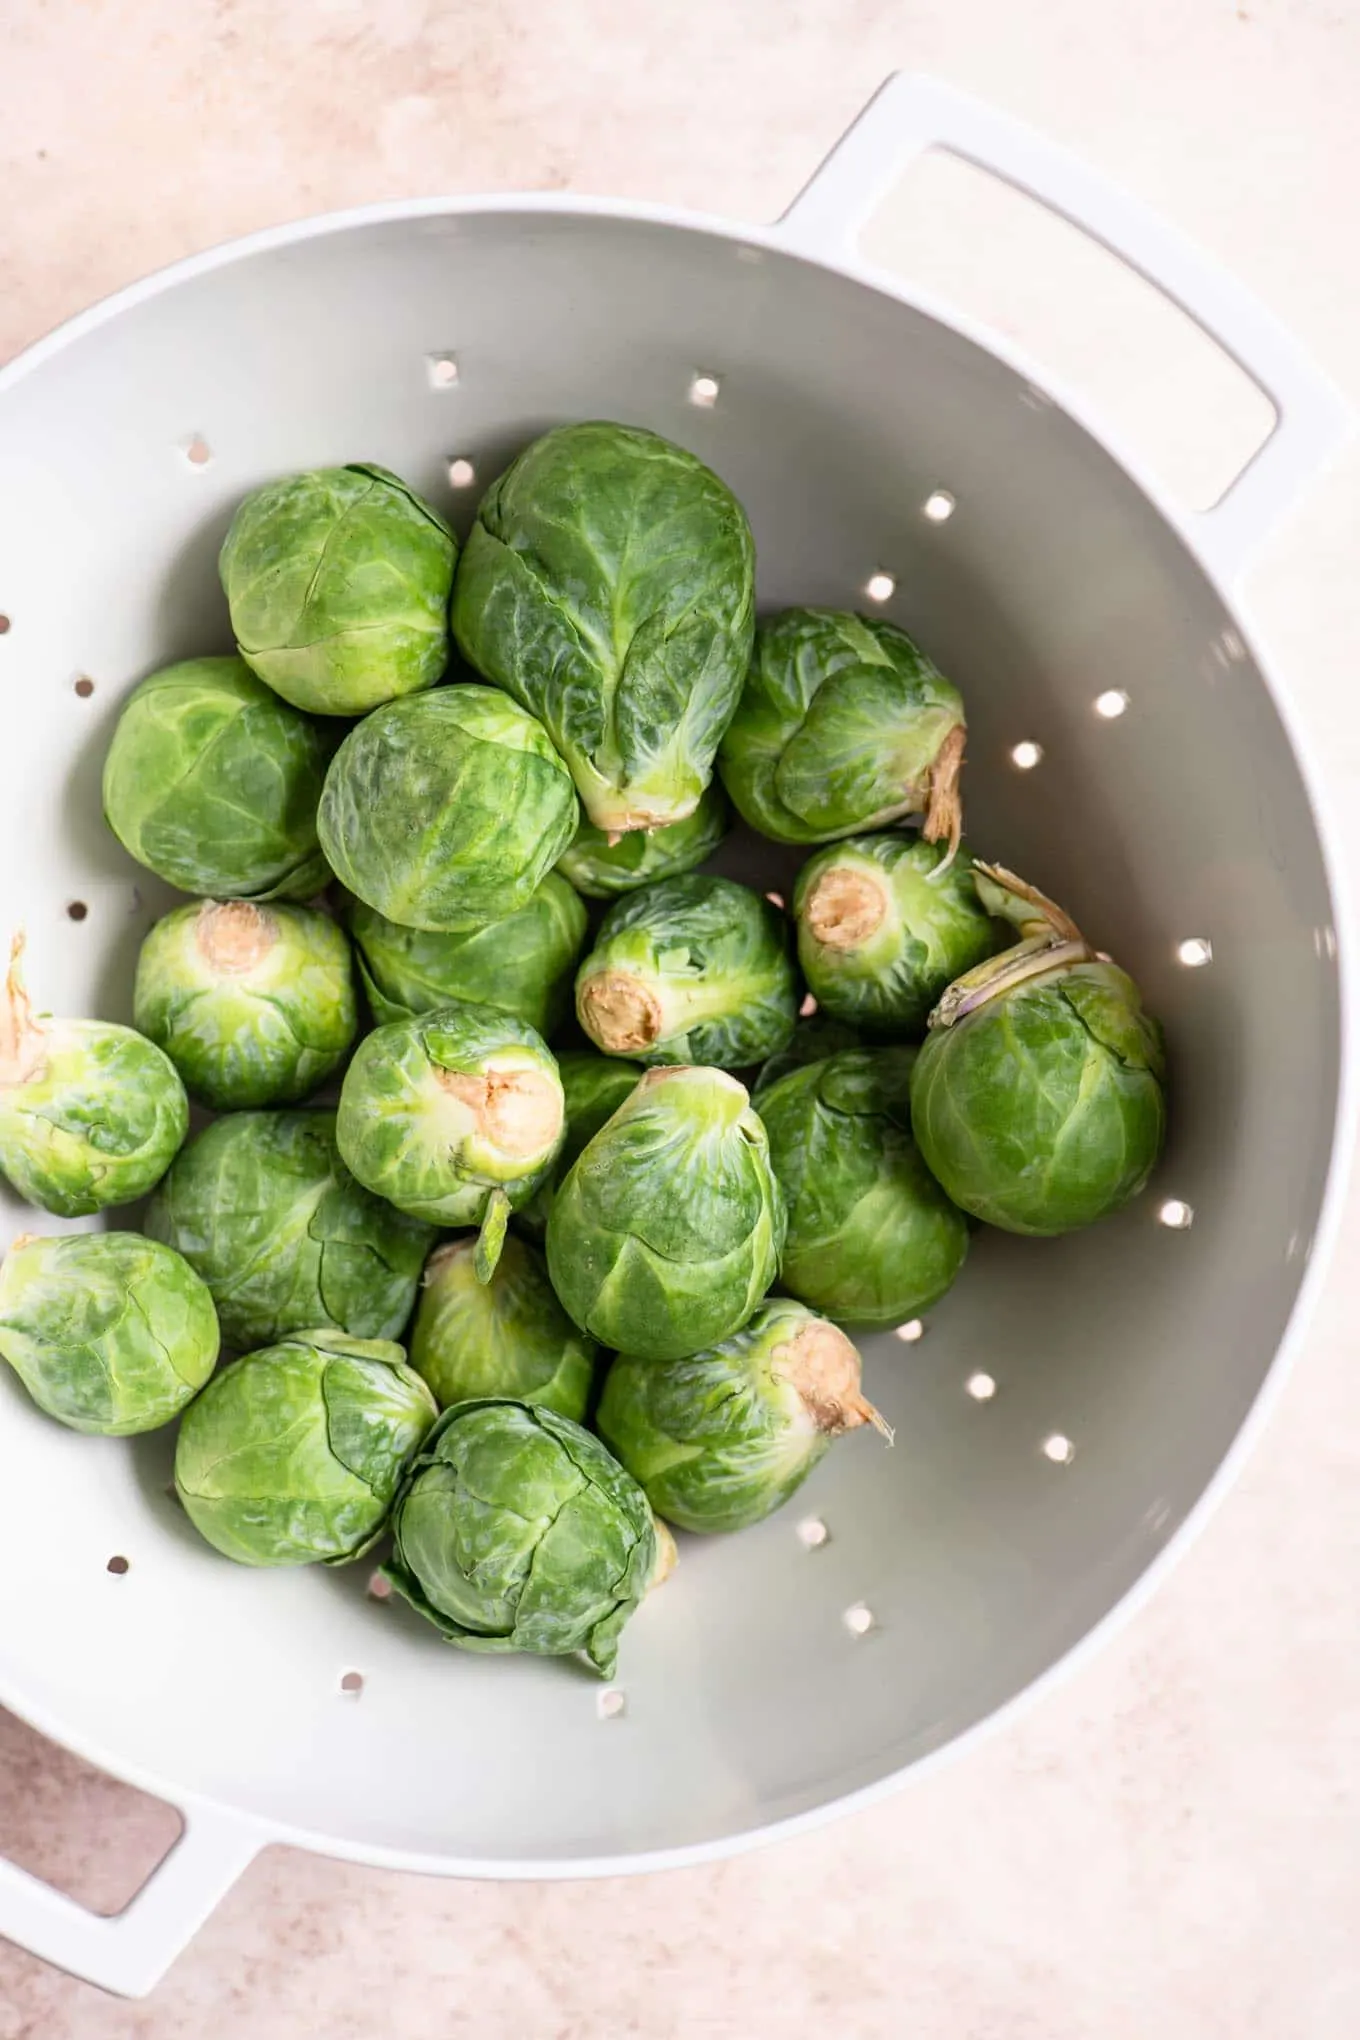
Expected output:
(944, 813)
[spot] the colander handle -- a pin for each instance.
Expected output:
(131, 1951)
(909, 115)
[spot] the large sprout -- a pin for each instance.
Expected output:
(884, 924)
(516, 1531)
(293, 1454)
(338, 584)
(719, 1440)
(872, 1238)
(843, 725)
(1037, 1099)
(446, 810)
(261, 1205)
(212, 782)
(691, 970)
(506, 1337)
(604, 866)
(608, 584)
(455, 1117)
(593, 1088)
(108, 1332)
(667, 1230)
(254, 1005)
(522, 964)
(91, 1114)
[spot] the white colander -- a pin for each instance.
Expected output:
(1074, 1403)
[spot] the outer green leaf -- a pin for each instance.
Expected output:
(212, 782)
(253, 1005)
(690, 970)
(108, 1332)
(263, 1207)
(608, 584)
(293, 1454)
(516, 1531)
(338, 583)
(446, 810)
(666, 1232)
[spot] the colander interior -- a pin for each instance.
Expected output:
(1061, 1412)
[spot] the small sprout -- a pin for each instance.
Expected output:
(562, 1582)
(505, 1337)
(716, 1212)
(261, 1205)
(293, 1454)
(338, 584)
(108, 1332)
(187, 742)
(722, 1439)
(872, 1239)
(692, 970)
(605, 866)
(844, 725)
(446, 810)
(634, 670)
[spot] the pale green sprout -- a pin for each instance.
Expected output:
(108, 1332)
(506, 1337)
(446, 810)
(91, 1114)
(293, 1454)
(690, 970)
(1038, 1098)
(515, 1530)
(338, 584)
(455, 1117)
(604, 866)
(666, 1232)
(254, 1005)
(212, 782)
(721, 1439)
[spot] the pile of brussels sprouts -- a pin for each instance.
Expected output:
(394, 807)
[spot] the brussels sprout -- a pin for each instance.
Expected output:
(720, 1440)
(1037, 1099)
(253, 1005)
(456, 1116)
(90, 1114)
(447, 810)
(338, 584)
(603, 866)
(521, 965)
(593, 1088)
(608, 584)
(813, 1041)
(506, 1337)
(212, 782)
(843, 724)
(263, 1207)
(872, 1238)
(666, 1232)
(107, 1331)
(515, 1530)
(693, 970)
(884, 924)
(293, 1454)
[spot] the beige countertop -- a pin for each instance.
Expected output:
(1170, 1842)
